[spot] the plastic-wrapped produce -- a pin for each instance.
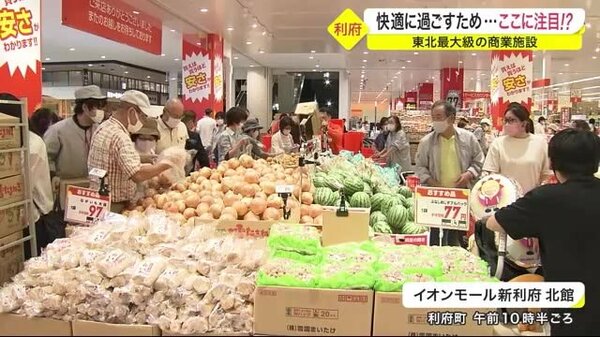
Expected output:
(114, 262)
(466, 277)
(393, 279)
(287, 273)
(295, 238)
(337, 275)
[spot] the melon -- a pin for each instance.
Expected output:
(320, 181)
(412, 228)
(405, 191)
(397, 216)
(377, 201)
(382, 227)
(353, 185)
(360, 200)
(377, 217)
(334, 182)
(325, 196)
(367, 189)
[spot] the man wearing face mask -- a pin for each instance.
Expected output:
(172, 131)
(112, 150)
(68, 141)
(448, 157)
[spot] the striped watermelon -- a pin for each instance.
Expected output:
(412, 228)
(377, 217)
(400, 199)
(324, 196)
(405, 191)
(335, 182)
(377, 201)
(361, 200)
(352, 185)
(390, 202)
(320, 181)
(411, 213)
(397, 216)
(367, 189)
(382, 227)
(407, 202)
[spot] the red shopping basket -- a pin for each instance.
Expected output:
(353, 141)
(367, 152)
(266, 140)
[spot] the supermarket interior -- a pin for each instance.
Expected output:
(299, 168)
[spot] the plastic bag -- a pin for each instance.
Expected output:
(346, 276)
(392, 279)
(287, 273)
(114, 262)
(309, 259)
(176, 158)
(352, 253)
(295, 238)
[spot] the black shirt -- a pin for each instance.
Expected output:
(194, 142)
(565, 217)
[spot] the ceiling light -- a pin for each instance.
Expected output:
(594, 57)
(427, 81)
(47, 59)
(588, 25)
(230, 29)
(175, 59)
(204, 10)
(90, 65)
(314, 70)
(364, 61)
(311, 57)
(408, 61)
(148, 77)
(328, 103)
(261, 51)
(566, 64)
(72, 49)
(416, 53)
(471, 78)
(326, 75)
(254, 25)
(102, 57)
(403, 67)
(252, 66)
(473, 54)
(298, 74)
(199, 43)
(365, 53)
(460, 62)
(363, 67)
(125, 72)
(327, 82)
(236, 58)
(43, 68)
(312, 51)
(163, 55)
(173, 78)
(136, 12)
(395, 77)
(317, 66)
(560, 73)
(264, 33)
(248, 42)
(172, 30)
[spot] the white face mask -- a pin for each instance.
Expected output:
(286, 132)
(145, 146)
(98, 117)
(440, 126)
(134, 128)
(172, 122)
(219, 122)
(391, 127)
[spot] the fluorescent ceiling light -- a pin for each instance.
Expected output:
(588, 79)
(72, 49)
(312, 51)
(204, 10)
(230, 29)
(136, 12)
(102, 57)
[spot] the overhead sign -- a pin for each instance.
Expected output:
(116, 21)
(462, 28)
(85, 206)
(446, 208)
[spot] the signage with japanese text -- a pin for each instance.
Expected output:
(85, 206)
(446, 208)
(475, 95)
(196, 77)
(116, 21)
(20, 41)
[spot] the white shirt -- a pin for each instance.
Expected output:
(206, 127)
(171, 137)
(281, 143)
(539, 129)
(40, 176)
(522, 159)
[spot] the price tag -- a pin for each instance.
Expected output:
(284, 189)
(99, 173)
(85, 206)
(446, 208)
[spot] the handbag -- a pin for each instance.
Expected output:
(50, 226)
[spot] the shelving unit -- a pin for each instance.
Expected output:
(27, 199)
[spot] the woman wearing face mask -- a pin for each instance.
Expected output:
(397, 148)
(68, 141)
(231, 142)
(519, 154)
(220, 119)
(282, 141)
(145, 141)
(252, 133)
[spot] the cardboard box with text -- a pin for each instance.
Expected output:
(10, 164)
(312, 312)
(88, 328)
(17, 325)
(10, 136)
(12, 189)
(11, 259)
(12, 220)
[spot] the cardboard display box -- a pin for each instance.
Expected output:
(10, 164)
(12, 189)
(12, 220)
(16, 325)
(391, 318)
(87, 328)
(404, 239)
(312, 312)
(342, 229)
(11, 259)
(10, 136)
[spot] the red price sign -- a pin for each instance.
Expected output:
(85, 206)
(446, 208)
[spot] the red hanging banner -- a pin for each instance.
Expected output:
(116, 21)
(425, 99)
(20, 40)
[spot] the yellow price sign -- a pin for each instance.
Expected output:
(348, 29)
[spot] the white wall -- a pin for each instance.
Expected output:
(345, 94)
(259, 94)
(228, 74)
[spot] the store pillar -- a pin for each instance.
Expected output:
(259, 82)
(202, 73)
(452, 85)
(173, 84)
(20, 58)
(511, 81)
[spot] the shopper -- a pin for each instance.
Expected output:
(231, 144)
(68, 141)
(593, 126)
(580, 125)
(462, 123)
(41, 120)
(254, 147)
(448, 157)
(282, 141)
(145, 141)
(220, 119)
(194, 145)
(333, 133)
(207, 128)
(113, 151)
(397, 148)
(382, 136)
(173, 132)
(540, 127)
(483, 133)
(564, 217)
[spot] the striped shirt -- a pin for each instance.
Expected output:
(112, 150)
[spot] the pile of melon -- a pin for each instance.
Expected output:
(238, 189)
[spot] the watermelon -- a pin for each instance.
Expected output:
(352, 185)
(377, 201)
(401, 199)
(320, 181)
(377, 217)
(397, 216)
(411, 214)
(407, 202)
(334, 182)
(367, 189)
(390, 202)
(361, 200)
(382, 227)
(324, 196)
(412, 228)
(405, 191)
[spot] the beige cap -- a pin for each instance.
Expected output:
(485, 121)
(142, 101)
(150, 128)
(90, 91)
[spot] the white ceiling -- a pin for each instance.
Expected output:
(288, 30)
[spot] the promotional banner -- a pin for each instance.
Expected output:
(475, 95)
(575, 96)
(452, 84)
(215, 47)
(425, 99)
(20, 66)
(116, 21)
(511, 78)
(197, 77)
(411, 100)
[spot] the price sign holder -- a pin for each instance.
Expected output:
(284, 191)
(85, 206)
(443, 208)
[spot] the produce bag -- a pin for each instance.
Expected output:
(346, 276)
(315, 259)
(287, 273)
(466, 277)
(392, 279)
(294, 238)
(177, 159)
(350, 253)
